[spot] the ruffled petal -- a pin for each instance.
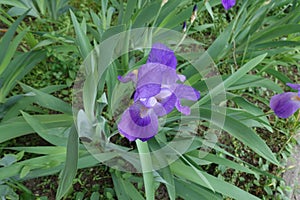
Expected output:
(285, 104)
(152, 77)
(186, 92)
(147, 91)
(227, 4)
(160, 53)
(137, 122)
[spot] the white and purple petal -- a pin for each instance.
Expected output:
(165, 103)
(285, 104)
(138, 122)
(160, 53)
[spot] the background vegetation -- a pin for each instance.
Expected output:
(255, 46)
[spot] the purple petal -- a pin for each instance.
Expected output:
(160, 53)
(165, 104)
(295, 87)
(147, 91)
(285, 104)
(138, 122)
(183, 109)
(132, 76)
(227, 4)
(151, 77)
(186, 92)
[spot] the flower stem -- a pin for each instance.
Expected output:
(146, 164)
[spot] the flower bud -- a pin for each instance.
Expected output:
(184, 27)
(194, 14)
(164, 2)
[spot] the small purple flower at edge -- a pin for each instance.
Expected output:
(287, 103)
(157, 94)
(227, 4)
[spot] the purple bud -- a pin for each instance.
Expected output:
(184, 26)
(195, 9)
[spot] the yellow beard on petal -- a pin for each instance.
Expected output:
(296, 98)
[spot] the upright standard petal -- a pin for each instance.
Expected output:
(138, 122)
(160, 53)
(285, 104)
(152, 77)
(227, 4)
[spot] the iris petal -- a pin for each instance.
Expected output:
(134, 126)
(152, 77)
(165, 105)
(183, 109)
(186, 92)
(160, 53)
(294, 86)
(227, 4)
(285, 104)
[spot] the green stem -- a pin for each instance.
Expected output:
(146, 164)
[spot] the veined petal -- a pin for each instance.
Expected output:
(147, 91)
(152, 77)
(137, 122)
(285, 104)
(227, 4)
(186, 92)
(156, 73)
(160, 53)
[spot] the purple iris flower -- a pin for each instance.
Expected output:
(287, 103)
(158, 92)
(227, 4)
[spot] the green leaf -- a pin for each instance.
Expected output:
(69, 172)
(240, 73)
(7, 192)
(146, 15)
(17, 127)
(186, 172)
(124, 189)
(187, 190)
(81, 38)
(129, 11)
(25, 170)
(5, 40)
(274, 32)
(240, 131)
(48, 101)
(42, 131)
(196, 154)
